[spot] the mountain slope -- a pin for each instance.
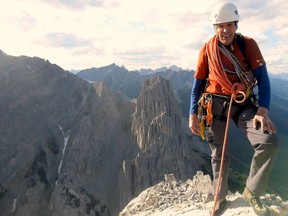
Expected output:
(62, 141)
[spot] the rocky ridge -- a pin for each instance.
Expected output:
(172, 197)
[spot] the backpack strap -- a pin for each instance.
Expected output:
(241, 43)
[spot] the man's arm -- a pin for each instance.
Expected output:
(264, 91)
(197, 89)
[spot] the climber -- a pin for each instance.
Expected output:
(224, 71)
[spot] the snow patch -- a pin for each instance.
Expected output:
(66, 138)
(14, 205)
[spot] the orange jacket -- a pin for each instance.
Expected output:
(254, 58)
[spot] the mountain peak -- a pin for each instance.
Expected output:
(173, 68)
(2, 53)
(112, 65)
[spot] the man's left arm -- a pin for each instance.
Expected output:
(264, 91)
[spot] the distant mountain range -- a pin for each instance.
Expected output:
(282, 76)
(162, 69)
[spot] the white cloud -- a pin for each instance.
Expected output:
(75, 4)
(61, 39)
(78, 34)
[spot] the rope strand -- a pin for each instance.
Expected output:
(233, 98)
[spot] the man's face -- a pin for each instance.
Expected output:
(225, 32)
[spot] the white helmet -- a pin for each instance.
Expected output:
(224, 12)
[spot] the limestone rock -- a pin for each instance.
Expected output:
(172, 197)
(162, 145)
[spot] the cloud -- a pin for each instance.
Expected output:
(25, 22)
(136, 56)
(62, 39)
(75, 4)
(134, 33)
(143, 51)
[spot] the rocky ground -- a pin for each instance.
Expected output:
(194, 197)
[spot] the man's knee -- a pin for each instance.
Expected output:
(273, 142)
(270, 142)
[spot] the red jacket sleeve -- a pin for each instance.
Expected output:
(202, 69)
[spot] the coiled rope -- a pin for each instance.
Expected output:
(217, 70)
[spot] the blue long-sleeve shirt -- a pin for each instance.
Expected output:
(264, 88)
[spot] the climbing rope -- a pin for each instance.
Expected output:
(234, 97)
(217, 70)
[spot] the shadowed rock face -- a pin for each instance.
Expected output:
(62, 140)
(37, 99)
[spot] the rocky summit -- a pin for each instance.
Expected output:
(193, 197)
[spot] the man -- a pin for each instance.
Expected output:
(226, 59)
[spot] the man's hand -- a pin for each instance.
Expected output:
(194, 124)
(262, 118)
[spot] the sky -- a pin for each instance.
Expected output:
(137, 34)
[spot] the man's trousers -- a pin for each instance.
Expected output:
(265, 145)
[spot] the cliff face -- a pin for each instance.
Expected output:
(164, 148)
(62, 141)
(88, 181)
(39, 101)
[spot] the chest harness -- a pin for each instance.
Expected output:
(240, 90)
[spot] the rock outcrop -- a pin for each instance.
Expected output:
(163, 147)
(172, 197)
